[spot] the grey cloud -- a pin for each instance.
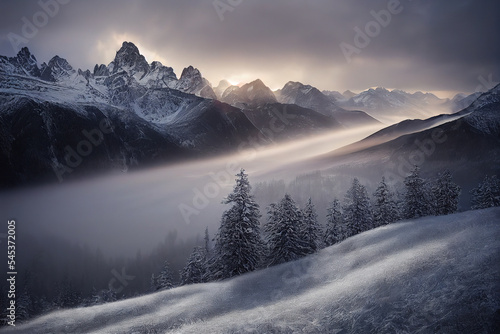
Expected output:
(430, 45)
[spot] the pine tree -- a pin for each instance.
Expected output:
(67, 295)
(165, 280)
(238, 244)
(385, 210)
(335, 229)
(284, 234)
(357, 209)
(416, 198)
(487, 194)
(207, 250)
(24, 306)
(195, 269)
(103, 296)
(153, 284)
(445, 194)
(311, 231)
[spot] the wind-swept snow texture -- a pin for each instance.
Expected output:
(431, 275)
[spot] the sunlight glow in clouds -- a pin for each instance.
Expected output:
(429, 46)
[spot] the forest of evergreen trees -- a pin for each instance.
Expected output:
(292, 232)
(241, 245)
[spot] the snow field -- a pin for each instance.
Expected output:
(436, 274)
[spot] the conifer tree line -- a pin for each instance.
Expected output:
(291, 232)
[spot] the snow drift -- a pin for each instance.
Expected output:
(436, 274)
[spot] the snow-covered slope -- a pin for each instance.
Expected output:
(486, 115)
(462, 101)
(436, 274)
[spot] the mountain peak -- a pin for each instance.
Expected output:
(56, 60)
(219, 90)
(292, 85)
(129, 47)
(192, 82)
(348, 94)
(25, 53)
(27, 62)
(190, 71)
(250, 95)
(307, 96)
(257, 82)
(129, 59)
(56, 69)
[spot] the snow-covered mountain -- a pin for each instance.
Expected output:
(221, 87)
(248, 96)
(436, 274)
(155, 116)
(191, 81)
(306, 96)
(47, 113)
(308, 109)
(334, 96)
(58, 69)
(310, 97)
(393, 106)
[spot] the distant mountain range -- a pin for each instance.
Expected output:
(394, 106)
(467, 143)
(57, 123)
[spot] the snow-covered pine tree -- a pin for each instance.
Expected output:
(109, 295)
(416, 198)
(445, 194)
(164, 279)
(195, 269)
(67, 295)
(238, 244)
(385, 209)
(103, 296)
(311, 230)
(283, 232)
(487, 193)
(335, 230)
(207, 249)
(153, 284)
(24, 306)
(357, 209)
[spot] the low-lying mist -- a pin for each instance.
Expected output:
(120, 214)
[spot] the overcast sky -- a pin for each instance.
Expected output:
(430, 45)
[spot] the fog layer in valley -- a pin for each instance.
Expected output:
(123, 213)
